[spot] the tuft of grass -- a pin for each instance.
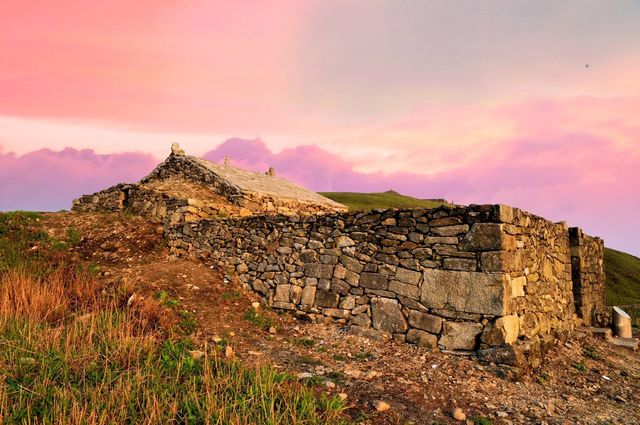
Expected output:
(481, 420)
(590, 353)
(231, 295)
(305, 342)
(580, 366)
(260, 321)
(74, 236)
(363, 356)
(390, 199)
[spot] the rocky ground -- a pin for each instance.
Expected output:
(584, 381)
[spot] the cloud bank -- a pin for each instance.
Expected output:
(46, 180)
(587, 181)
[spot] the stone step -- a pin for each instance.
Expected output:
(630, 343)
(604, 333)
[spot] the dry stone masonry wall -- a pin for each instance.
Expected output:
(587, 262)
(477, 278)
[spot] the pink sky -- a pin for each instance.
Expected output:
(470, 101)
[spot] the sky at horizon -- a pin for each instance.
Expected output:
(533, 104)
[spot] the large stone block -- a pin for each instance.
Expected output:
(426, 322)
(470, 292)
(460, 335)
(405, 290)
(487, 237)
(373, 280)
(319, 271)
(282, 293)
(308, 295)
(387, 316)
(408, 276)
(326, 299)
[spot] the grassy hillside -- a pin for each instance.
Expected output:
(389, 199)
(623, 270)
(623, 277)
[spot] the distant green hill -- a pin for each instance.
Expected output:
(623, 270)
(623, 277)
(389, 199)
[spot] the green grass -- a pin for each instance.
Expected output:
(73, 351)
(623, 277)
(390, 199)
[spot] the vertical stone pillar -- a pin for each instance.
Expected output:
(587, 274)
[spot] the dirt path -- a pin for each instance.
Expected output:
(583, 381)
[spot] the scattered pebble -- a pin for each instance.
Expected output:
(196, 354)
(343, 396)
(381, 406)
(255, 305)
(272, 330)
(228, 351)
(459, 415)
(329, 384)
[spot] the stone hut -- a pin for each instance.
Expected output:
(186, 188)
(488, 280)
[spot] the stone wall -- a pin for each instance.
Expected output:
(458, 278)
(156, 206)
(587, 263)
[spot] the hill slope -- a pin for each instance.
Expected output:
(623, 277)
(389, 199)
(622, 269)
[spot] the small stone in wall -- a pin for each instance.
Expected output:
(504, 330)
(344, 241)
(422, 338)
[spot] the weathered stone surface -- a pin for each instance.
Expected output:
(373, 280)
(504, 330)
(408, 276)
(405, 289)
(457, 229)
(362, 320)
(464, 264)
(471, 292)
(308, 295)
(484, 237)
(517, 286)
(344, 241)
(460, 335)
(282, 293)
(386, 315)
(326, 299)
(422, 338)
(319, 271)
(425, 321)
(351, 264)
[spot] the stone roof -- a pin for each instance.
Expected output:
(262, 184)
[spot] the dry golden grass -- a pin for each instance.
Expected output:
(76, 351)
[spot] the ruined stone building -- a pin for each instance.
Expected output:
(486, 279)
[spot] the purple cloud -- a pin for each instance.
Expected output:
(46, 180)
